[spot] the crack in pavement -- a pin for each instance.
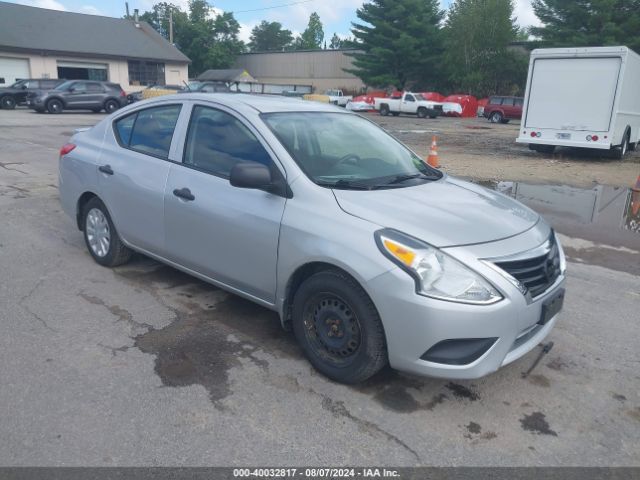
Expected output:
(338, 409)
(26, 297)
(5, 165)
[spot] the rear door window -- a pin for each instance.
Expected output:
(496, 101)
(508, 102)
(148, 131)
(94, 88)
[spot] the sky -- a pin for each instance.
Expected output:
(335, 15)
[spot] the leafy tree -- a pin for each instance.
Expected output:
(210, 42)
(400, 41)
(268, 36)
(588, 22)
(336, 42)
(477, 56)
(312, 37)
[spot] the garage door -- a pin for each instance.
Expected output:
(12, 69)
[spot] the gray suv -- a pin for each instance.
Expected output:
(79, 95)
(368, 254)
(17, 93)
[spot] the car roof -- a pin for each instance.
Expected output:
(258, 102)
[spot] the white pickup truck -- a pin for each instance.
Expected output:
(337, 97)
(409, 103)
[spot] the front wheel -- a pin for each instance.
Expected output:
(8, 102)
(422, 112)
(338, 327)
(100, 235)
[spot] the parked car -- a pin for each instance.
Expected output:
(337, 97)
(205, 87)
(370, 255)
(79, 95)
(17, 93)
(410, 103)
(503, 109)
(153, 91)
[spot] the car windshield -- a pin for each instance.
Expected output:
(64, 85)
(347, 151)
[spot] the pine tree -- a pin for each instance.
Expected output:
(477, 57)
(400, 41)
(588, 22)
(312, 37)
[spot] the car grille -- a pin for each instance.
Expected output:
(538, 273)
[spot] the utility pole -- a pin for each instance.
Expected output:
(171, 26)
(126, 6)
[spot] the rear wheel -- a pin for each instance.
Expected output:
(100, 235)
(384, 110)
(422, 112)
(111, 106)
(622, 150)
(54, 106)
(8, 102)
(338, 327)
(495, 117)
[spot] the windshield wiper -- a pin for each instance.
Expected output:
(410, 176)
(347, 184)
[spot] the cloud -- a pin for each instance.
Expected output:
(524, 12)
(50, 4)
(91, 10)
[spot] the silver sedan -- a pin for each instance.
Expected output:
(367, 253)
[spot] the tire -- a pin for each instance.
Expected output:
(621, 151)
(495, 117)
(97, 223)
(55, 106)
(7, 102)
(422, 112)
(111, 106)
(384, 110)
(338, 327)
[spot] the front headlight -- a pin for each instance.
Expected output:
(437, 274)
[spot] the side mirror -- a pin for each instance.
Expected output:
(250, 175)
(72, 89)
(23, 86)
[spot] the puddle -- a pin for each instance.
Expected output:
(603, 221)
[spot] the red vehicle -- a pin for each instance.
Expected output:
(503, 109)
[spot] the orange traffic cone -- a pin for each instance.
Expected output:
(432, 159)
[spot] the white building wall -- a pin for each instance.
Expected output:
(45, 66)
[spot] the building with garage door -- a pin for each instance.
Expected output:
(41, 43)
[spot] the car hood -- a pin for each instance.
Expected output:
(445, 213)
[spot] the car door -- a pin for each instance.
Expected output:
(95, 94)
(226, 233)
(507, 107)
(76, 96)
(409, 104)
(132, 172)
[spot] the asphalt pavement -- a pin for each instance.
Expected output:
(144, 365)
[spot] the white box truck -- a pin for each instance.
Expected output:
(582, 97)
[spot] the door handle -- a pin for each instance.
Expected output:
(106, 169)
(184, 193)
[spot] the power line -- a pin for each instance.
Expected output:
(272, 7)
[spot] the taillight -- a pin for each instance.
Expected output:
(66, 148)
(594, 138)
(536, 134)
(533, 134)
(122, 94)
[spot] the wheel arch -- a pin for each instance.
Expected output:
(82, 201)
(302, 273)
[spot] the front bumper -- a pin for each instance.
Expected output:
(414, 324)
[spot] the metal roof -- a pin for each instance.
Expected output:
(230, 75)
(25, 28)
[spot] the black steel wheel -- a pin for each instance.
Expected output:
(8, 102)
(338, 327)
